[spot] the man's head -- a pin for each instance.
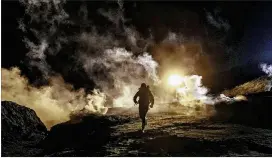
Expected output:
(143, 85)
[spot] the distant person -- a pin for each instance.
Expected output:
(146, 100)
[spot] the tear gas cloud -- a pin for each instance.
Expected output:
(50, 14)
(119, 74)
(192, 90)
(116, 65)
(52, 103)
(266, 68)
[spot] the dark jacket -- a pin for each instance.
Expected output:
(145, 97)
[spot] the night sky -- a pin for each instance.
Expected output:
(247, 32)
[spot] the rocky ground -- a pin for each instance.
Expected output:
(182, 136)
(21, 130)
(168, 134)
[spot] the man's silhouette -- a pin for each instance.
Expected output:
(146, 100)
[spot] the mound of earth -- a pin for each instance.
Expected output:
(23, 133)
(255, 86)
(21, 130)
(82, 136)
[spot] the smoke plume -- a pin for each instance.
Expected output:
(118, 74)
(268, 70)
(52, 103)
(117, 60)
(41, 20)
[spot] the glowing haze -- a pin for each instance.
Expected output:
(116, 71)
(52, 103)
(175, 80)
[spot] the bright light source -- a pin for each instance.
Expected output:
(175, 80)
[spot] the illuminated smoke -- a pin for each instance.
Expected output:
(52, 103)
(118, 73)
(268, 70)
(222, 98)
(191, 91)
(116, 65)
(115, 71)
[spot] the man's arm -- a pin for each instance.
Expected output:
(135, 97)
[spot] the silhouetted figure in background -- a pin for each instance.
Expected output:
(146, 100)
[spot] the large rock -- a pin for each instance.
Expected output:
(22, 130)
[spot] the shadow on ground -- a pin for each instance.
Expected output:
(255, 112)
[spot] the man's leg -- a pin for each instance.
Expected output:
(143, 117)
(143, 124)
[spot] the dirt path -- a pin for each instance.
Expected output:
(178, 135)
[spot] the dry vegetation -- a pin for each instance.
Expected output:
(255, 86)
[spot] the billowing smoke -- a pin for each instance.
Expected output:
(52, 103)
(41, 20)
(268, 70)
(192, 90)
(118, 73)
(117, 61)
